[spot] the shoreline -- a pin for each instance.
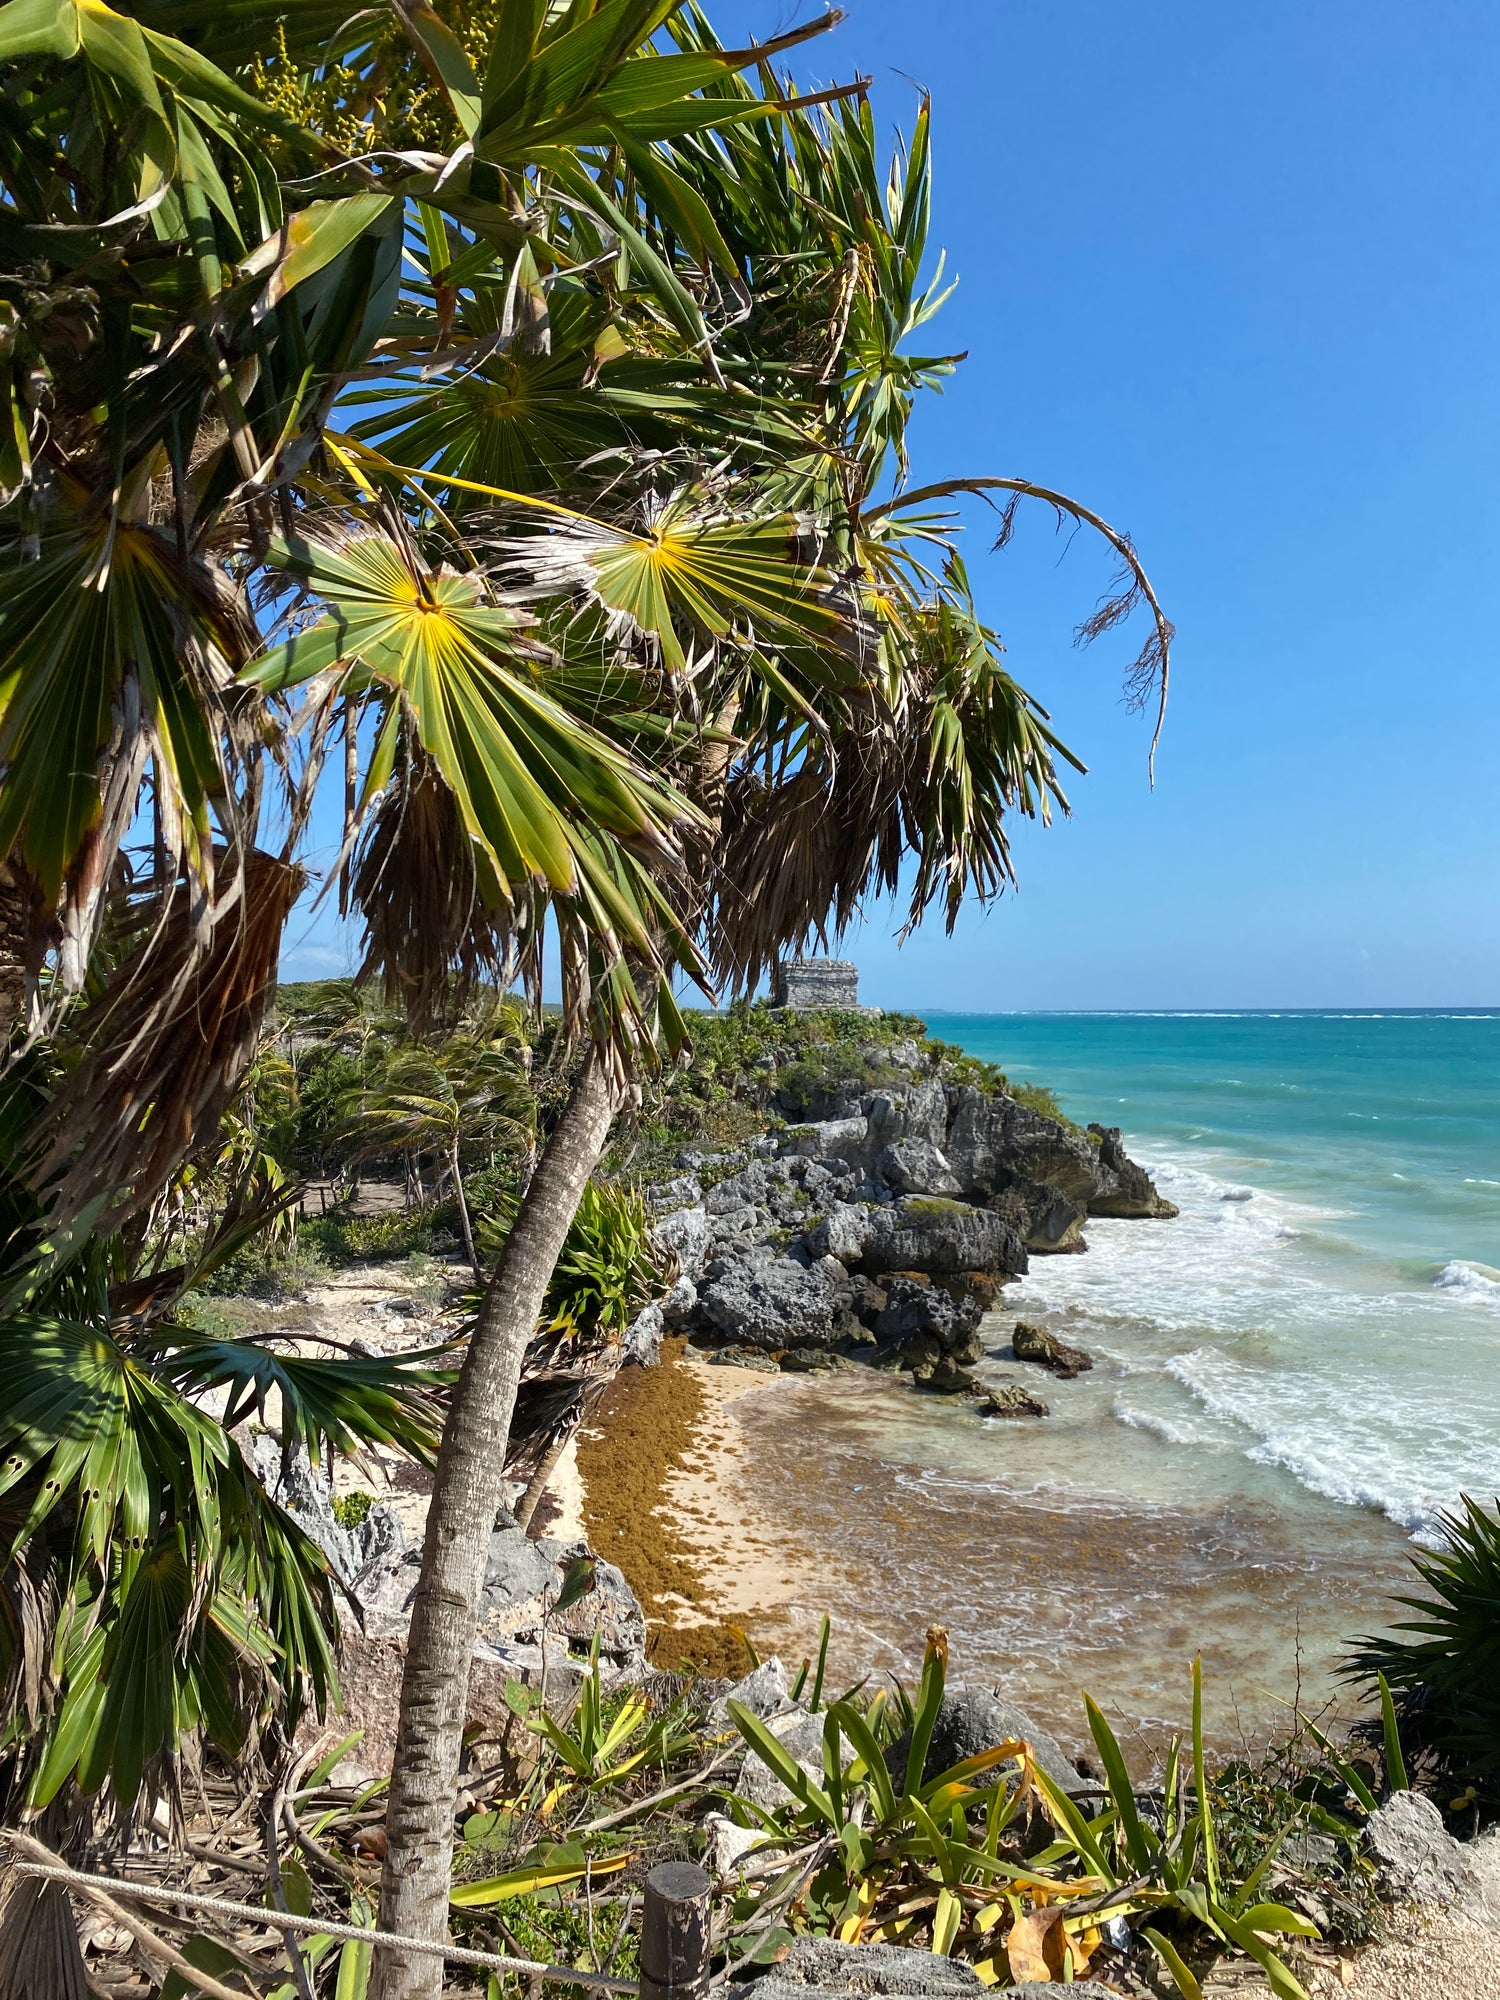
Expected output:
(798, 1495)
(658, 1484)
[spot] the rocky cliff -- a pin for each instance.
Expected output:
(880, 1221)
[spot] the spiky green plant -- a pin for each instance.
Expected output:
(1444, 1662)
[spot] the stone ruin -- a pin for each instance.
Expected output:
(816, 982)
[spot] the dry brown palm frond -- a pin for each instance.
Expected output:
(163, 1049)
(430, 933)
(795, 857)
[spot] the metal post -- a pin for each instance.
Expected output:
(675, 1932)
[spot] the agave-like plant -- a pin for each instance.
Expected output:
(1443, 1663)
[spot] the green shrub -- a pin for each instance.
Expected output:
(352, 1510)
(1444, 1664)
(609, 1267)
(374, 1239)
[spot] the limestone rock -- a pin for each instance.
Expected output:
(359, 1554)
(1009, 1399)
(641, 1340)
(679, 1305)
(842, 1233)
(913, 1309)
(1421, 1862)
(915, 1166)
(1047, 1222)
(827, 1139)
(815, 1966)
(751, 1186)
(1133, 1193)
(812, 1361)
(770, 1301)
(682, 1191)
(1035, 1343)
(799, 1732)
(764, 1691)
(928, 1233)
(945, 1377)
(820, 1968)
(685, 1234)
(971, 1720)
(523, 1579)
(370, 1667)
(754, 1358)
(867, 1300)
(728, 1844)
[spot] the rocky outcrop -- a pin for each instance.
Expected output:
(1009, 1399)
(1420, 1862)
(970, 1720)
(1047, 1223)
(915, 1166)
(1134, 1193)
(810, 1239)
(359, 1555)
(916, 1308)
(930, 1233)
(1035, 1343)
(761, 1298)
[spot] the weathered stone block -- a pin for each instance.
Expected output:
(816, 982)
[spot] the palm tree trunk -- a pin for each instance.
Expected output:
(466, 1493)
(536, 1486)
(465, 1222)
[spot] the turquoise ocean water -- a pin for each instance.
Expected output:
(1329, 1303)
(1291, 1380)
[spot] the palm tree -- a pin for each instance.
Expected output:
(199, 254)
(438, 1099)
(846, 727)
(545, 388)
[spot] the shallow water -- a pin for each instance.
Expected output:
(1291, 1380)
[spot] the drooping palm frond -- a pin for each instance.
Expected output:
(162, 1050)
(167, 1592)
(116, 665)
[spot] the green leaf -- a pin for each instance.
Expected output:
(310, 240)
(446, 54)
(1137, 1845)
(783, 1764)
(924, 1720)
(210, 1956)
(1395, 1763)
(1283, 1982)
(39, 28)
(1076, 1828)
(530, 1880)
(1200, 1781)
(577, 1580)
(1167, 1952)
(872, 1766)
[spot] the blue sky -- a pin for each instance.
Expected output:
(1229, 276)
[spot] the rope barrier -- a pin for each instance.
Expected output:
(281, 1920)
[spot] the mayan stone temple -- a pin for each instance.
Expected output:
(816, 982)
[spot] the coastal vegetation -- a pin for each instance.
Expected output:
(494, 417)
(1444, 1662)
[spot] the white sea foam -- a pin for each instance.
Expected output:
(1363, 1444)
(1246, 1333)
(1172, 1431)
(1476, 1282)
